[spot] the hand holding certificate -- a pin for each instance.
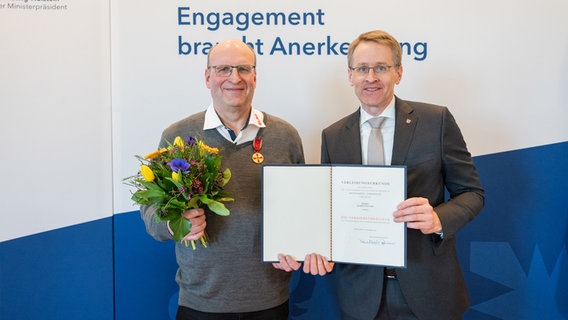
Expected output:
(343, 212)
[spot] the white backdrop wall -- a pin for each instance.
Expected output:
(56, 240)
(499, 66)
(55, 125)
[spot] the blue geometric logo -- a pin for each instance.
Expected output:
(532, 295)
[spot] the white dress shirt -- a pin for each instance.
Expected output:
(387, 131)
(256, 121)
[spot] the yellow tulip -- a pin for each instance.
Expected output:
(178, 142)
(147, 173)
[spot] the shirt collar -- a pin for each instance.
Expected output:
(388, 113)
(212, 120)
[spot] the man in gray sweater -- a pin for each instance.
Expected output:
(227, 280)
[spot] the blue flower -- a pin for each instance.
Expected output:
(178, 164)
(191, 141)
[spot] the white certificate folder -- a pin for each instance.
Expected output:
(343, 212)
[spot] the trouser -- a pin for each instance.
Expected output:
(393, 304)
(277, 313)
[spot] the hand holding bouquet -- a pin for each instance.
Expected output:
(182, 176)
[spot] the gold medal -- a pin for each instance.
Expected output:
(257, 158)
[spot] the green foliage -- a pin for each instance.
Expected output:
(185, 175)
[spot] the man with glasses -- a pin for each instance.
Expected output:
(227, 280)
(426, 139)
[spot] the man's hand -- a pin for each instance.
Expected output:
(313, 263)
(317, 264)
(418, 214)
(286, 263)
(198, 223)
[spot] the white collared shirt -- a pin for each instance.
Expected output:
(256, 121)
(387, 131)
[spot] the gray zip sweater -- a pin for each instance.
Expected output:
(228, 275)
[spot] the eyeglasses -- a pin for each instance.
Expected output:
(226, 70)
(363, 70)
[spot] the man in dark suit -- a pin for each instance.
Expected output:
(427, 140)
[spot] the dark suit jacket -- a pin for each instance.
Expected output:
(428, 141)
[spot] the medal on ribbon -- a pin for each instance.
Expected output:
(257, 157)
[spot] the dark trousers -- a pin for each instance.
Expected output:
(393, 304)
(277, 313)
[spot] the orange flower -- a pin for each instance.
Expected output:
(155, 153)
(203, 147)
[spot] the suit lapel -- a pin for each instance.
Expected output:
(405, 123)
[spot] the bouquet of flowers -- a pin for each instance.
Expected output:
(182, 176)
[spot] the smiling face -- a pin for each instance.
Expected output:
(374, 90)
(235, 90)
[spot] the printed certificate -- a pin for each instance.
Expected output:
(343, 212)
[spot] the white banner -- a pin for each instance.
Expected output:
(502, 76)
(55, 123)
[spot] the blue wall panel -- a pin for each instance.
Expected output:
(513, 255)
(61, 274)
(145, 272)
